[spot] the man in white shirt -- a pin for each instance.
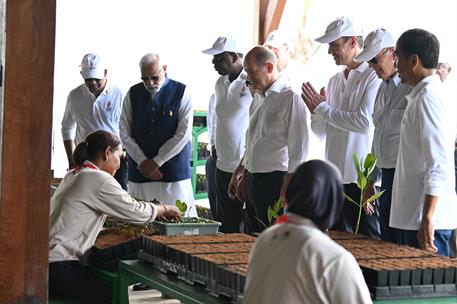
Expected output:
(343, 116)
(390, 104)
(232, 102)
(424, 201)
(94, 105)
(276, 139)
(156, 126)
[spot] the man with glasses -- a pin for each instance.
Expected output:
(156, 126)
(232, 101)
(389, 107)
(343, 115)
(94, 105)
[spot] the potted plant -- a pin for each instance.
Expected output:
(186, 225)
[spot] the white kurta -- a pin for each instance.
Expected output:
(297, 263)
(164, 192)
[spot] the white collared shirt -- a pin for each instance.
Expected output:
(388, 112)
(277, 136)
(79, 208)
(84, 113)
(345, 118)
(425, 162)
(233, 100)
(297, 263)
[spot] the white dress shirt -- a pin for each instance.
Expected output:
(84, 113)
(233, 100)
(164, 192)
(277, 136)
(389, 108)
(297, 263)
(79, 208)
(345, 118)
(211, 121)
(425, 162)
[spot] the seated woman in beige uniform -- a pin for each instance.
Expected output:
(294, 261)
(79, 207)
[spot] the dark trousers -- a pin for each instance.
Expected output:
(73, 280)
(210, 169)
(453, 240)
(122, 173)
(230, 210)
(385, 202)
(409, 237)
(262, 191)
(369, 225)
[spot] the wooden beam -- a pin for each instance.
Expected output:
(270, 13)
(26, 155)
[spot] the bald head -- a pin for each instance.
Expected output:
(260, 65)
(262, 55)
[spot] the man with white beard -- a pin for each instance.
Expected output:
(156, 125)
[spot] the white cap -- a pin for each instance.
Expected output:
(341, 27)
(92, 67)
(276, 39)
(222, 44)
(376, 41)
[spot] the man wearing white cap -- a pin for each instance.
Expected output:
(289, 68)
(156, 128)
(232, 101)
(276, 139)
(343, 115)
(94, 105)
(390, 104)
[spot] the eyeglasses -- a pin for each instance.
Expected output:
(375, 60)
(219, 58)
(154, 78)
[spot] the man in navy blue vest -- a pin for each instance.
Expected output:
(156, 125)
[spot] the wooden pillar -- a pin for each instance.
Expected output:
(26, 150)
(270, 13)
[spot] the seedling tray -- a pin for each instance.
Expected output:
(186, 228)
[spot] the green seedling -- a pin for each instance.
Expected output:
(364, 170)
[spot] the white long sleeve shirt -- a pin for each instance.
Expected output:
(79, 208)
(211, 121)
(297, 263)
(277, 136)
(84, 113)
(345, 118)
(425, 162)
(233, 100)
(389, 108)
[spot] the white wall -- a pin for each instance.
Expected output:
(123, 31)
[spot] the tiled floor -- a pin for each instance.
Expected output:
(149, 296)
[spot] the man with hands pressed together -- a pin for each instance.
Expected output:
(424, 201)
(343, 115)
(156, 125)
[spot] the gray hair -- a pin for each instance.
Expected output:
(149, 59)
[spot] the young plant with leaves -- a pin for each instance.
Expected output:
(364, 170)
